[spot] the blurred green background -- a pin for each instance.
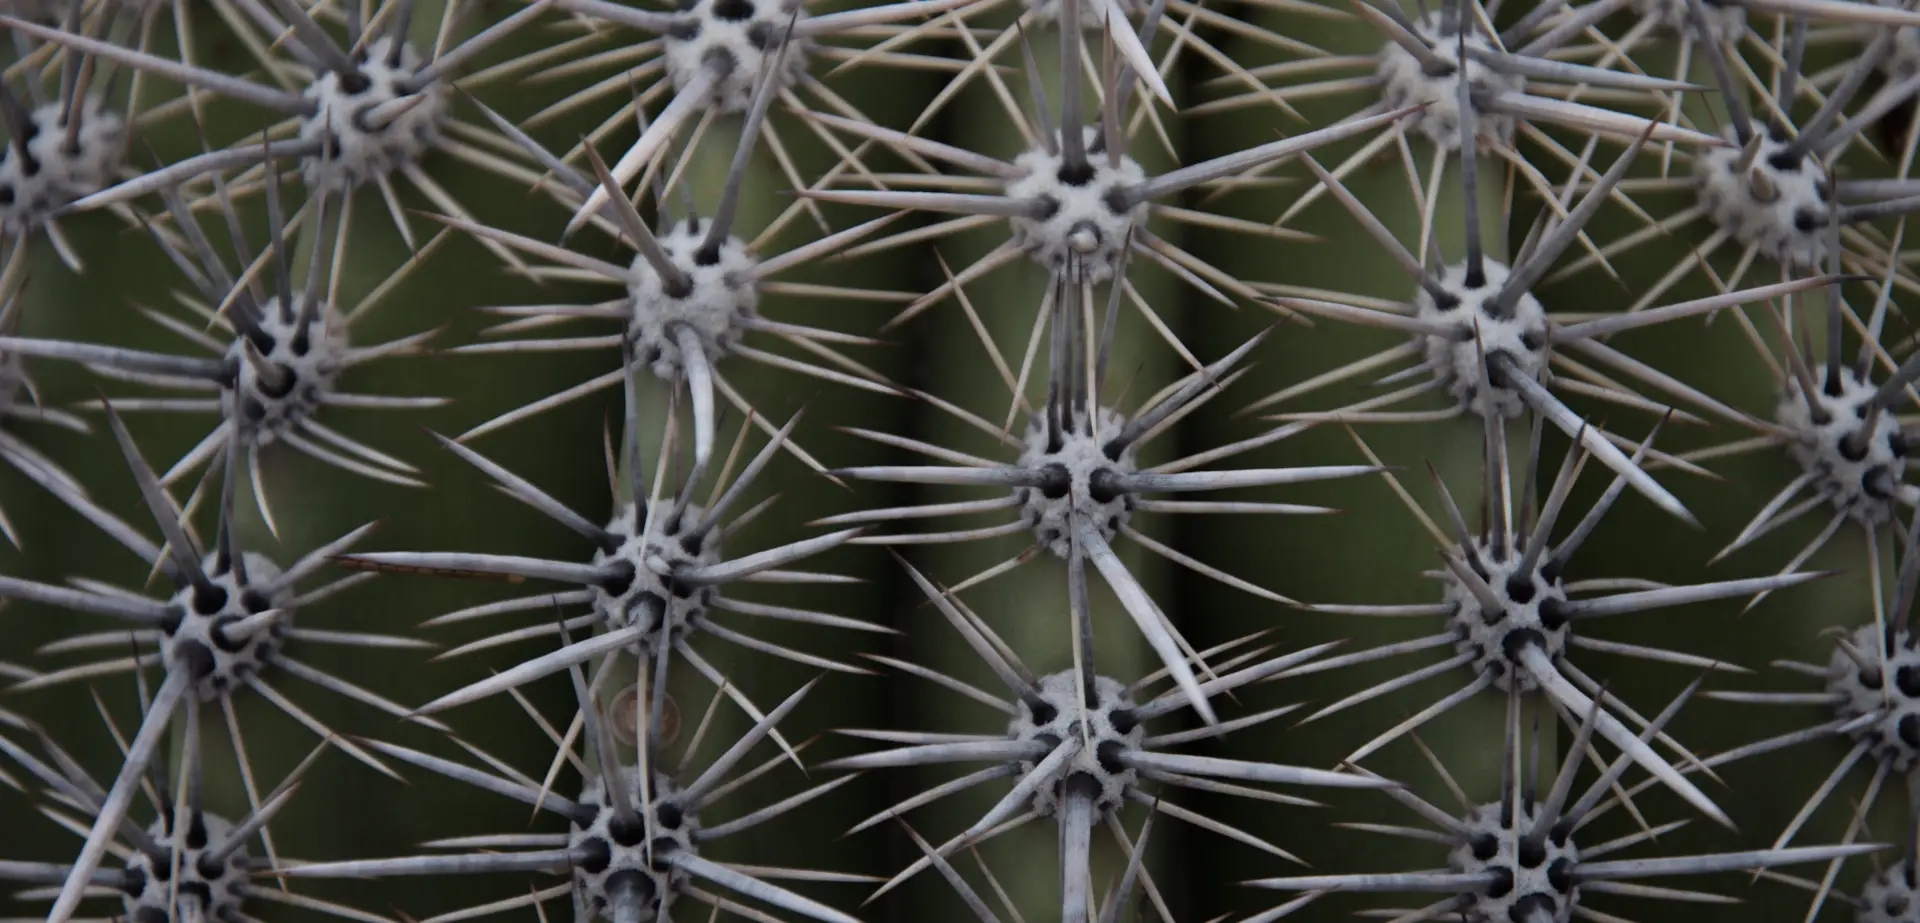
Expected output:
(1372, 552)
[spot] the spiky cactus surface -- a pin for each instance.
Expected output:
(958, 460)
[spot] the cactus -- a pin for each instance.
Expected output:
(988, 289)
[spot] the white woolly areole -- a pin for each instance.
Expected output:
(666, 608)
(1456, 361)
(738, 39)
(361, 145)
(196, 634)
(1070, 493)
(1859, 472)
(54, 173)
(1779, 205)
(1889, 897)
(617, 861)
(716, 307)
(1053, 715)
(1894, 735)
(1533, 879)
(1725, 22)
(1405, 83)
(306, 358)
(1086, 216)
(219, 888)
(1528, 615)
